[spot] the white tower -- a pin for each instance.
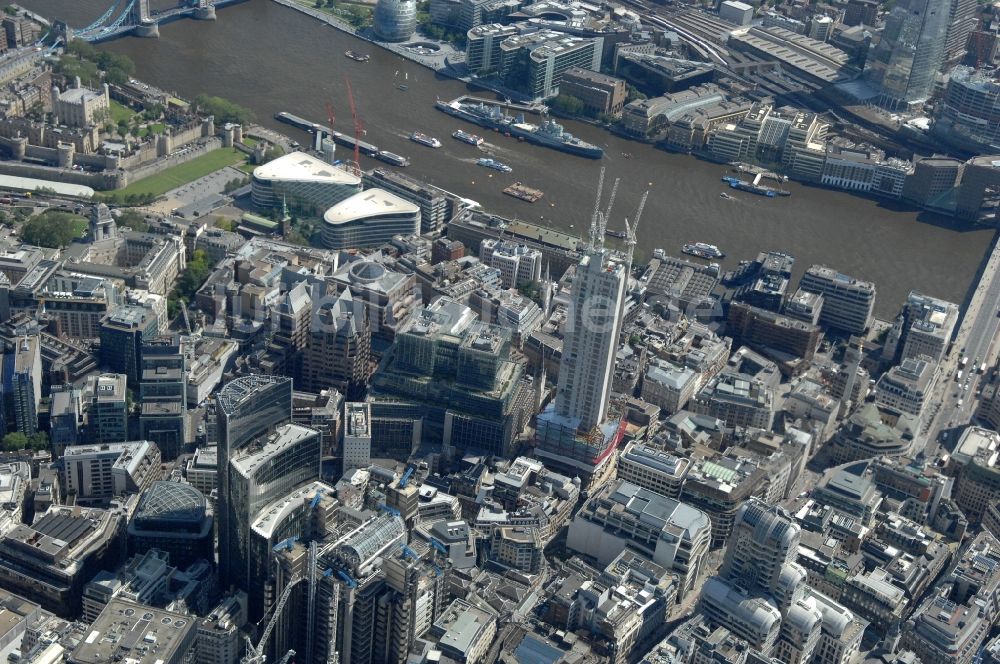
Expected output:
(594, 322)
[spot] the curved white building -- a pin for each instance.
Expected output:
(302, 181)
(369, 219)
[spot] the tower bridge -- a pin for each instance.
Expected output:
(134, 17)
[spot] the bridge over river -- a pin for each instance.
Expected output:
(134, 17)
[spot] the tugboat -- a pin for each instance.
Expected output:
(618, 234)
(466, 137)
(494, 164)
(358, 57)
(424, 139)
(702, 250)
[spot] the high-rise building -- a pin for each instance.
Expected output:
(357, 435)
(122, 621)
(848, 303)
(338, 351)
(761, 594)
(861, 11)
(106, 403)
(904, 64)
(534, 62)
(219, 637)
(968, 113)
(575, 434)
(163, 395)
(359, 601)
(123, 332)
(22, 384)
(923, 327)
(435, 206)
(962, 20)
(260, 474)
(66, 422)
(245, 408)
(301, 182)
(455, 376)
(518, 263)
(97, 473)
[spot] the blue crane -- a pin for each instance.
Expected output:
(286, 543)
(439, 546)
(351, 583)
(410, 553)
(405, 479)
(388, 509)
(315, 500)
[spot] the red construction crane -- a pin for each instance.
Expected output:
(357, 129)
(329, 114)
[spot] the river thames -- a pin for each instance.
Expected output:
(270, 58)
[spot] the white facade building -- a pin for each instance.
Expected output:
(357, 435)
(517, 263)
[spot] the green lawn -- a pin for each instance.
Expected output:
(176, 176)
(120, 112)
(80, 227)
(155, 128)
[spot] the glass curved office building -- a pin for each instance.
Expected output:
(246, 408)
(269, 469)
(395, 20)
(173, 517)
(369, 219)
(303, 182)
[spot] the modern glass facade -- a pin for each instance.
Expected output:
(301, 182)
(907, 58)
(245, 408)
(270, 468)
(175, 518)
(369, 219)
(395, 20)
(970, 110)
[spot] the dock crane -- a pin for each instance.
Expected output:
(256, 653)
(357, 128)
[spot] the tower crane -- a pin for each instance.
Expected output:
(357, 128)
(256, 653)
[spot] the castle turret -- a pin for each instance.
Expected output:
(64, 155)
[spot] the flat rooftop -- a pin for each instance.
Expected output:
(141, 634)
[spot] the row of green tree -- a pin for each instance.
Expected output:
(53, 229)
(84, 60)
(223, 109)
(16, 440)
(130, 199)
(194, 275)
